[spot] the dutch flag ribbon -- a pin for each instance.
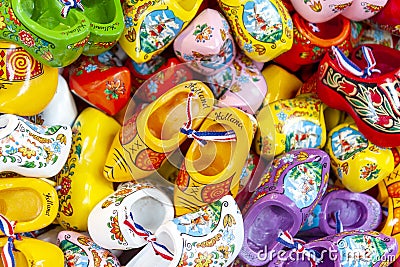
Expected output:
(68, 4)
(7, 255)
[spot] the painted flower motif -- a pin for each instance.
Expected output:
(243, 79)
(123, 192)
(203, 259)
(128, 22)
(248, 47)
(282, 116)
(288, 158)
(2, 23)
(12, 150)
(225, 24)
(114, 89)
(203, 32)
(56, 147)
(115, 230)
(224, 250)
(375, 97)
(26, 38)
(153, 87)
(228, 236)
(27, 152)
(188, 57)
(47, 56)
(369, 171)
(13, 18)
(183, 262)
(65, 185)
(90, 68)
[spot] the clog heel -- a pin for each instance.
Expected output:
(38, 27)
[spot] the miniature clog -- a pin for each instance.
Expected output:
(80, 250)
(81, 180)
(262, 29)
(313, 40)
(144, 203)
(212, 170)
(23, 78)
(211, 236)
(361, 10)
(297, 123)
(387, 18)
(151, 27)
(357, 162)
(342, 85)
(209, 47)
(150, 135)
(32, 150)
(321, 11)
(31, 202)
(105, 87)
(292, 187)
(346, 249)
(352, 211)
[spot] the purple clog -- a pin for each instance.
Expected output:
(291, 189)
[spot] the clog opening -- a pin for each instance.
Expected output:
(214, 157)
(352, 213)
(329, 30)
(187, 5)
(100, 11)
(165, 122)
(264, 231)
(20, 259)
(21, 204)
(149, 220)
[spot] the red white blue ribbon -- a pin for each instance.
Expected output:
(203, 137)
(68, 4)
(339, 224)
(7, 255)
(350, 66)
(139, 230)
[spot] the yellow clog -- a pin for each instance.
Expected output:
(358, 163)
(392, 225)
(390, 185)
(149, 136)
(31, 202)
(212, 171)
(81, 180)
(263, 29)
(24, 79)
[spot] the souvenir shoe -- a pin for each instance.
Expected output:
(211, 236)
(387, 18)
(262, 29)
(150, 28)
(105, 87)
(321, 11)
(297, 123)
(390, 185)
(209, 47)
(30, 149)
(391, 227)
(342, 82)
(375, 35)
(23, 79)
(358, 163)
(149, 136)
(313, 40)
(244, 86)
(212, 169)
(81, 180)
(281, 84)
(80, 250)
(361, 10)
(39, 28)
(30, 202)
(349, 248)
(110, 220)
(344, 211)
(292, 188)
(61, 110)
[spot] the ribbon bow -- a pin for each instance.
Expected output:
(68, 4)
(203, 137)
(350, 66)
(7, 227)
(139, 230)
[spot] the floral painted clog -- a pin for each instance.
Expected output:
(105, 87)
(316, 11)
(292, 187)
(30, 149)
(209, 47)
(361, 10)
(212, 170)
(150, 27)
(81, 180)
(358, 163)
(387, 18)
(262, 29)
(355, 86)
(80, 250)
(211, 236)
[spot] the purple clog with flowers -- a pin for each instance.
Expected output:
(291, 189)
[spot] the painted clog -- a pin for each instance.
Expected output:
(391, 227)
(209, 47)
(149, 136)
(107, 221)
(262, 29)
(211, 236)
(212, 170)
(151, 27)
(292, 187)
(80, 250)
(30, 149)
(342, 86)
(390, 185)
(361, 10)
(387, 18)
(106, 87)
(321, 11)
(313, 40)
(23, 79)
(81, 180)
(357, 162)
